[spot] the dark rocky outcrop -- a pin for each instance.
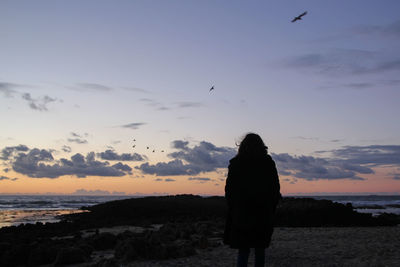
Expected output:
(189, 223)
(70, 255)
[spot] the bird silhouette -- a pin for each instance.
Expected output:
(154, 150)
(147, 147)
(212, 88)
(134, 146)
(299, 16)
(162, 150)
(134, 140)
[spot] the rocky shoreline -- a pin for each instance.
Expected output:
(162, 229)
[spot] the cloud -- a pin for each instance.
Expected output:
(111, 155)
(345, 62)
(165, 180)
(204, 157)
(391, 82)
(84, 192)
(344, 163)
(180, 144)
(374, 154)
(313, 168)
(66, 149)
(388, 30)
(349, 162)
(133, 125)
(200, 179)
(307, 138)
(122, 167)
(2, 178)
(78, 135)
(39, 104)
(78, 139)
(359, 85)
(175, 167)
(155, 104)
(94, 87)
(163, 107)
(385, 66)
(207, 157)
(135, 89)
(7, 152)
(189, 104)
(39, 163)
(8, 89)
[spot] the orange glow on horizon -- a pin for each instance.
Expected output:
(147, 185)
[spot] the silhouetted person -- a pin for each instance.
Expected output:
(252, 194)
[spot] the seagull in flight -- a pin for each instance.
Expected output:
(212, 88)
(299, 16)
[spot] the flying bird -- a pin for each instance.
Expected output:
(147, 147)
(299, 16)
(134, 146)
(134, 140)
(154, 150)
(212, 88)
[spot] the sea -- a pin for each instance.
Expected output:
(21, 209)
(18, 209)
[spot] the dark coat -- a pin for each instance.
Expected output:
(252, 193)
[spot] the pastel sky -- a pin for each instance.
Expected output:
(114, 95)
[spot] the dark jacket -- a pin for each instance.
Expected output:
(252, 193)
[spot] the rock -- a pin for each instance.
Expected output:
(103, 241)
(70, 255)
(16, 255)
(126, 250)
(107, 263)
(42, 254)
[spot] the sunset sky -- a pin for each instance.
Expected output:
(82, 82)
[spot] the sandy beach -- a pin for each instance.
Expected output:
(325, 246)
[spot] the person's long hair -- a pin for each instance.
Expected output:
(252, 146)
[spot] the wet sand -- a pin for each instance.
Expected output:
(325, 246)
(16, 217)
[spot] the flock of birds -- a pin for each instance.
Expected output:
(299, 17)
(147, 147)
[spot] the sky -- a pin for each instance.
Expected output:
(114, 96)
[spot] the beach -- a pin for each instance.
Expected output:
(317, 246)
(187, 230)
